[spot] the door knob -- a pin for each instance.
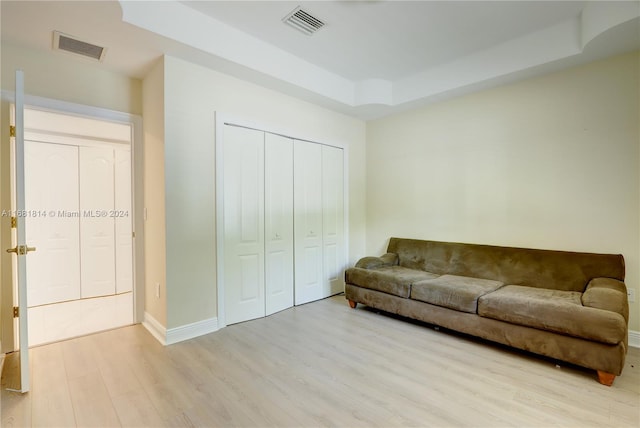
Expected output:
(21, 250)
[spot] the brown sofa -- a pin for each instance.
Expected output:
(565, 305)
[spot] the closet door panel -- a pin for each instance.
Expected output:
(51, 191)
(97, 226)
(308, 222)
(243, 175)
(278, 181)
(333, 219)
(123, 218)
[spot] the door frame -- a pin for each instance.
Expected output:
(221, 119)
(73, 109)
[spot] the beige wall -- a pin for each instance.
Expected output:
(60, 77)
(154, 202)
(550, 162)
(192, 96)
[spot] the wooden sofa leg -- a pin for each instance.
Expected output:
(352, 303)
(606, 378)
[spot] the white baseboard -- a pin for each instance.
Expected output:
(200, 328)
(189, 331)
(156, 329)
(178, 334)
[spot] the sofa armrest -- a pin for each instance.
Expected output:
(608, 294)
(389, 259)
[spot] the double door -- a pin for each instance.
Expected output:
(282, 222)
(78, 199)
(258, 223)
(319, 221)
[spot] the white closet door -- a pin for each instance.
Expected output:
(97, 228)
(333, 219)
(278, 223)
(52, 226)
(243, 176)
(123, 218)
(308, 222)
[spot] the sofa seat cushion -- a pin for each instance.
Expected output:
(394, 280)
(455, 292)
(553, 310)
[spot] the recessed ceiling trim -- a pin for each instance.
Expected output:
(67, 43)
(303, 21)
(267, 65)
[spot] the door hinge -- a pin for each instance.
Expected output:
(16, 312)
(12, 131)
(14, 222)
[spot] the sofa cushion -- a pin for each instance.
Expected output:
(553, 310)
(394, 280)
(559, 270)
(456, 292)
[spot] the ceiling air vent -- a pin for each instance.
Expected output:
(303, 21)
(71, 44)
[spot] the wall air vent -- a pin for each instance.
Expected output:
(303, 21)
(72, 44)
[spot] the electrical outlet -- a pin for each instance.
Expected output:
(631, 295)
(157, 290)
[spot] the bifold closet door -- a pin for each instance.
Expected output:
(308, 222)
(51, 192)
(278, 208)
(243, 198)
(333, 219)
(123, 217)
(283, 222)
(97, 227)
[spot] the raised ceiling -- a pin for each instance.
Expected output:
(372, 58)
(389, 40)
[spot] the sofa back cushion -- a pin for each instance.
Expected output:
(560, 270)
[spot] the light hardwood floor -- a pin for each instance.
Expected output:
(321, 364)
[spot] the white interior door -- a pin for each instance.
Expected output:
(278, 184)
(243, 199)
(51, 195)
(333, 219)
(21, 249)
(97, 227)
(308, 222)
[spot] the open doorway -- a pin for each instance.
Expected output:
(79, 217)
